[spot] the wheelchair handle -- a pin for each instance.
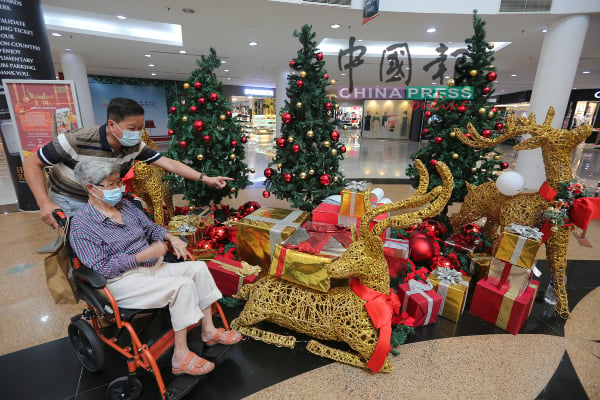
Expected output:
(60, 217)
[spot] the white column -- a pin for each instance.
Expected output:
(280, 96)
(74, 69)
(552, 86)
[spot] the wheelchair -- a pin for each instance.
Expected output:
(103, 322)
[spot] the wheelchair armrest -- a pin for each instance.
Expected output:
(93, 278)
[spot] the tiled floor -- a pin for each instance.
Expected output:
(549, 359)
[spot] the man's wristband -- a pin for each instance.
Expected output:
(201, 176)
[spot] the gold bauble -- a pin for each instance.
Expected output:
(491, 67)
(335, 178)
(182, 102)
(222, 117)
(311, 171)
(184, 118)
(326, 143)
(337, 106)
(473, 72)
(491, 115)
(291, 139)
(233, 190)
(310, 134)
(452, 134)
(450, 82)
(455, 156)
(279, 165)
(298, 105)
(232, 156)
(329, 112)
(473, 170)
(490, 45)
(186, 86)
(496, 157)
(303, 74)
(333, 152)
(200, 157)
(333, 82)
(481, 110)
(302, 175)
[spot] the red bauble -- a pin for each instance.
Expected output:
(325, 179)
(420, 250)
(425, 131)
(326, 76)
(244, 139)
(433, 161)
(172, 110)
(468, 135)
(218, 233)
(280, 142)
(299, 83)
(427, 114)
(183, 144)
(266, 194)
(206, 244)
(287, 177)
(504, 165)
(234, 143)
(206, 138)
(494, 110)
(470, 229)
(229, 114)
(296, 148)
(197, 85)
(486, 133)
(202, 100)
(444, 261)
(287, 118)
(193, 109)
(328, 106)
(416, 235)
(335, 135)
(486, 90)
(269, 172)
(491, 76)
(438, 140)
(292, 64)
(171, 132)
(461, 109)
(213, 96)
(499, 126)
(198, 125)
(343, 149)
(320, 56)
(433, 228)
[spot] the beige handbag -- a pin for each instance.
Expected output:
(59, 273)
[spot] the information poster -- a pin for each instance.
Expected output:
(41, 110)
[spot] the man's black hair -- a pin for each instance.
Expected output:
(120, 108)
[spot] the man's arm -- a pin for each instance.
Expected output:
(187, 172)
(33, 168)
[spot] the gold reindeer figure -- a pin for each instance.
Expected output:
(340, 314)
(526, 208)
(148, 183)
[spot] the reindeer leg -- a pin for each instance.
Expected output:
(338, 355)
(556, 254)
(245, 322)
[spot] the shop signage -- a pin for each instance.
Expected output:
(262, 92)
(372, 92)
(597, 94)
(408, 93)
(370, 10)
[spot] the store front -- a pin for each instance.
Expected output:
(387, 119)
(255, 109)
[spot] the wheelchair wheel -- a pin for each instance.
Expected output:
(121, 388)
(87, 345)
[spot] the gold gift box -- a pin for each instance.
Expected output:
(517, 250)
(517, 278)
(350, 199)
(258, 233)
(480, 265)
(453, 304)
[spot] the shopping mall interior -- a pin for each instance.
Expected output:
(114, 48)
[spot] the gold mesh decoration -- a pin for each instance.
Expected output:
(339, 314)
(148, 183)
(526, 208)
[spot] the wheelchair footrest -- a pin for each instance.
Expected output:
(181, 386)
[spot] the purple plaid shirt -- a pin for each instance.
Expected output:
(108, 247)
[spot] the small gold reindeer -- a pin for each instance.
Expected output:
(340, 314)
(526, 208)
(148, 183)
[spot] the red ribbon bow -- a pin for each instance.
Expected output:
(381, 309)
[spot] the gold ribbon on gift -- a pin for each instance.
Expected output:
(506, 307)
(245, 271)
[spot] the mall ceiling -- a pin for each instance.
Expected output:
(228, 26)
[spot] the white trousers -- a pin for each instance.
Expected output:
(187, 287)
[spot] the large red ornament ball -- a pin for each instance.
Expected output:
(491, 76)
(244, 139)
(320, 56)
(266, 194)
(299, 83)
(433, 228)
(420, 250)
(183, 144)
(326, 76)
(229, 114)
(444, 261)
(416, 235)
(199, 125)
(504, 165)
(425, 131)
(486, 90)
(499, 126)
(470, 229)
(433, 161)
(427, 114)
(287, 177)
(328, 106)
(280, 142)
(206, 244)
(206, 138)
(287, 118)
(171, 132)
(197, 85)
(438, 140)
(269, 172)
(343, 149)
(335, 135)
(487, 133)
(296, 148)
(234, 143)
(325, 179)
(213, 96)
(202, 100)
(193, 109)
(172, 110)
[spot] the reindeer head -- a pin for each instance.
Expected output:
(364, 257)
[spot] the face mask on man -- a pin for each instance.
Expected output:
(130, 138)
(111, 196)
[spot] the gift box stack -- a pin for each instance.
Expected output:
(505, 296)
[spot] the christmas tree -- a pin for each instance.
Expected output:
(206, 137)
(308, 152)
(475, 166)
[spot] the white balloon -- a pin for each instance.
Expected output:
(510, 183)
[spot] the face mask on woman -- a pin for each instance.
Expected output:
(130, 138)
(111, 196)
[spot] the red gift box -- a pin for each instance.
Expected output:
(395, 252)
(421, 304)
(330, 214)
(227, 277)
(500, 307)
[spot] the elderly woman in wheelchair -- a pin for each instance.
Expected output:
(113, 237)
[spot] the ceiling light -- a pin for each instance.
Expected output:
(586, 72)
(343, 74)
(434, 83)
(151, 65)
(252, 43)
(188, 10)
(431, 30)
(511, 75)
(225, 70)
(334, 26)
(544, 30)
(359, 40)
(147, 55)
(182, 51)
(153, 74)
(56, 34)
(67, 49)
(121, 17)
(223, 61)
(228, 78)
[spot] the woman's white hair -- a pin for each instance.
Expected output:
(95, 171)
